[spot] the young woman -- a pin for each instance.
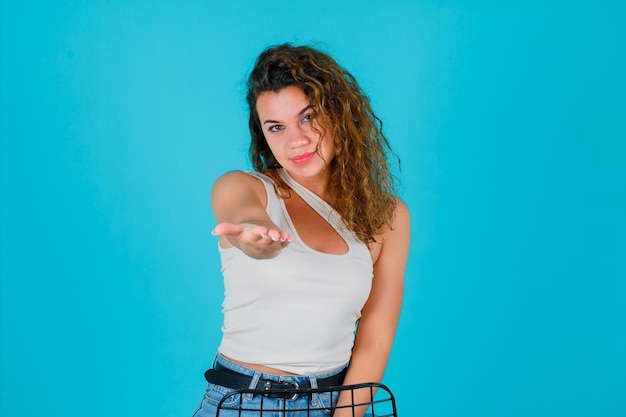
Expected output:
(314, 242)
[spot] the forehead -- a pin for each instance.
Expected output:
(286, 102)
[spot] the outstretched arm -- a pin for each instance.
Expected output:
(379, 318)
(239, 202)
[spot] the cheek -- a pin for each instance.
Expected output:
(327, 146)
(325, 140)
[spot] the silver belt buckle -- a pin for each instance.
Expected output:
(295, 386)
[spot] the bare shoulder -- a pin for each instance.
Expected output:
(235, 178)
(237, 181)
(402, 217)
(396, 237)
(236, 188)
(399, 232)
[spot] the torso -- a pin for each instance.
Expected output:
(315, 232)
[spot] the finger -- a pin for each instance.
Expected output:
(274, 235)
(285, 237)
(226, 228)
(259, 233)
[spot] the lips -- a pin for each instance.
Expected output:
(303, 158)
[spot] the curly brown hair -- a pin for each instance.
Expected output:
(360, 181)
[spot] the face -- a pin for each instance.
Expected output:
(289, 127)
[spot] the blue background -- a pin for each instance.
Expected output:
(117, 116)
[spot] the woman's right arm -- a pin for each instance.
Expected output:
(239, 202)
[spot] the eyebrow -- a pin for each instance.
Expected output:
(304, 110)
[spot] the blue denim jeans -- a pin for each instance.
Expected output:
(313, 405)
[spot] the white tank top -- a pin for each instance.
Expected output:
(298, 311)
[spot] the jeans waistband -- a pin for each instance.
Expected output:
(231, 375)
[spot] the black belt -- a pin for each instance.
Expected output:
(228, 378)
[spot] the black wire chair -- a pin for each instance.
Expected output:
(381, 401)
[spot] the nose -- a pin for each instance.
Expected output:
(298, 136)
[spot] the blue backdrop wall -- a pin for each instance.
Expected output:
(116, 117)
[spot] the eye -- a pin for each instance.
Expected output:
(307, 118)
(275, 128)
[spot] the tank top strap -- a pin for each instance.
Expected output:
(273, 202)
(267, 181)
(317, 203)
